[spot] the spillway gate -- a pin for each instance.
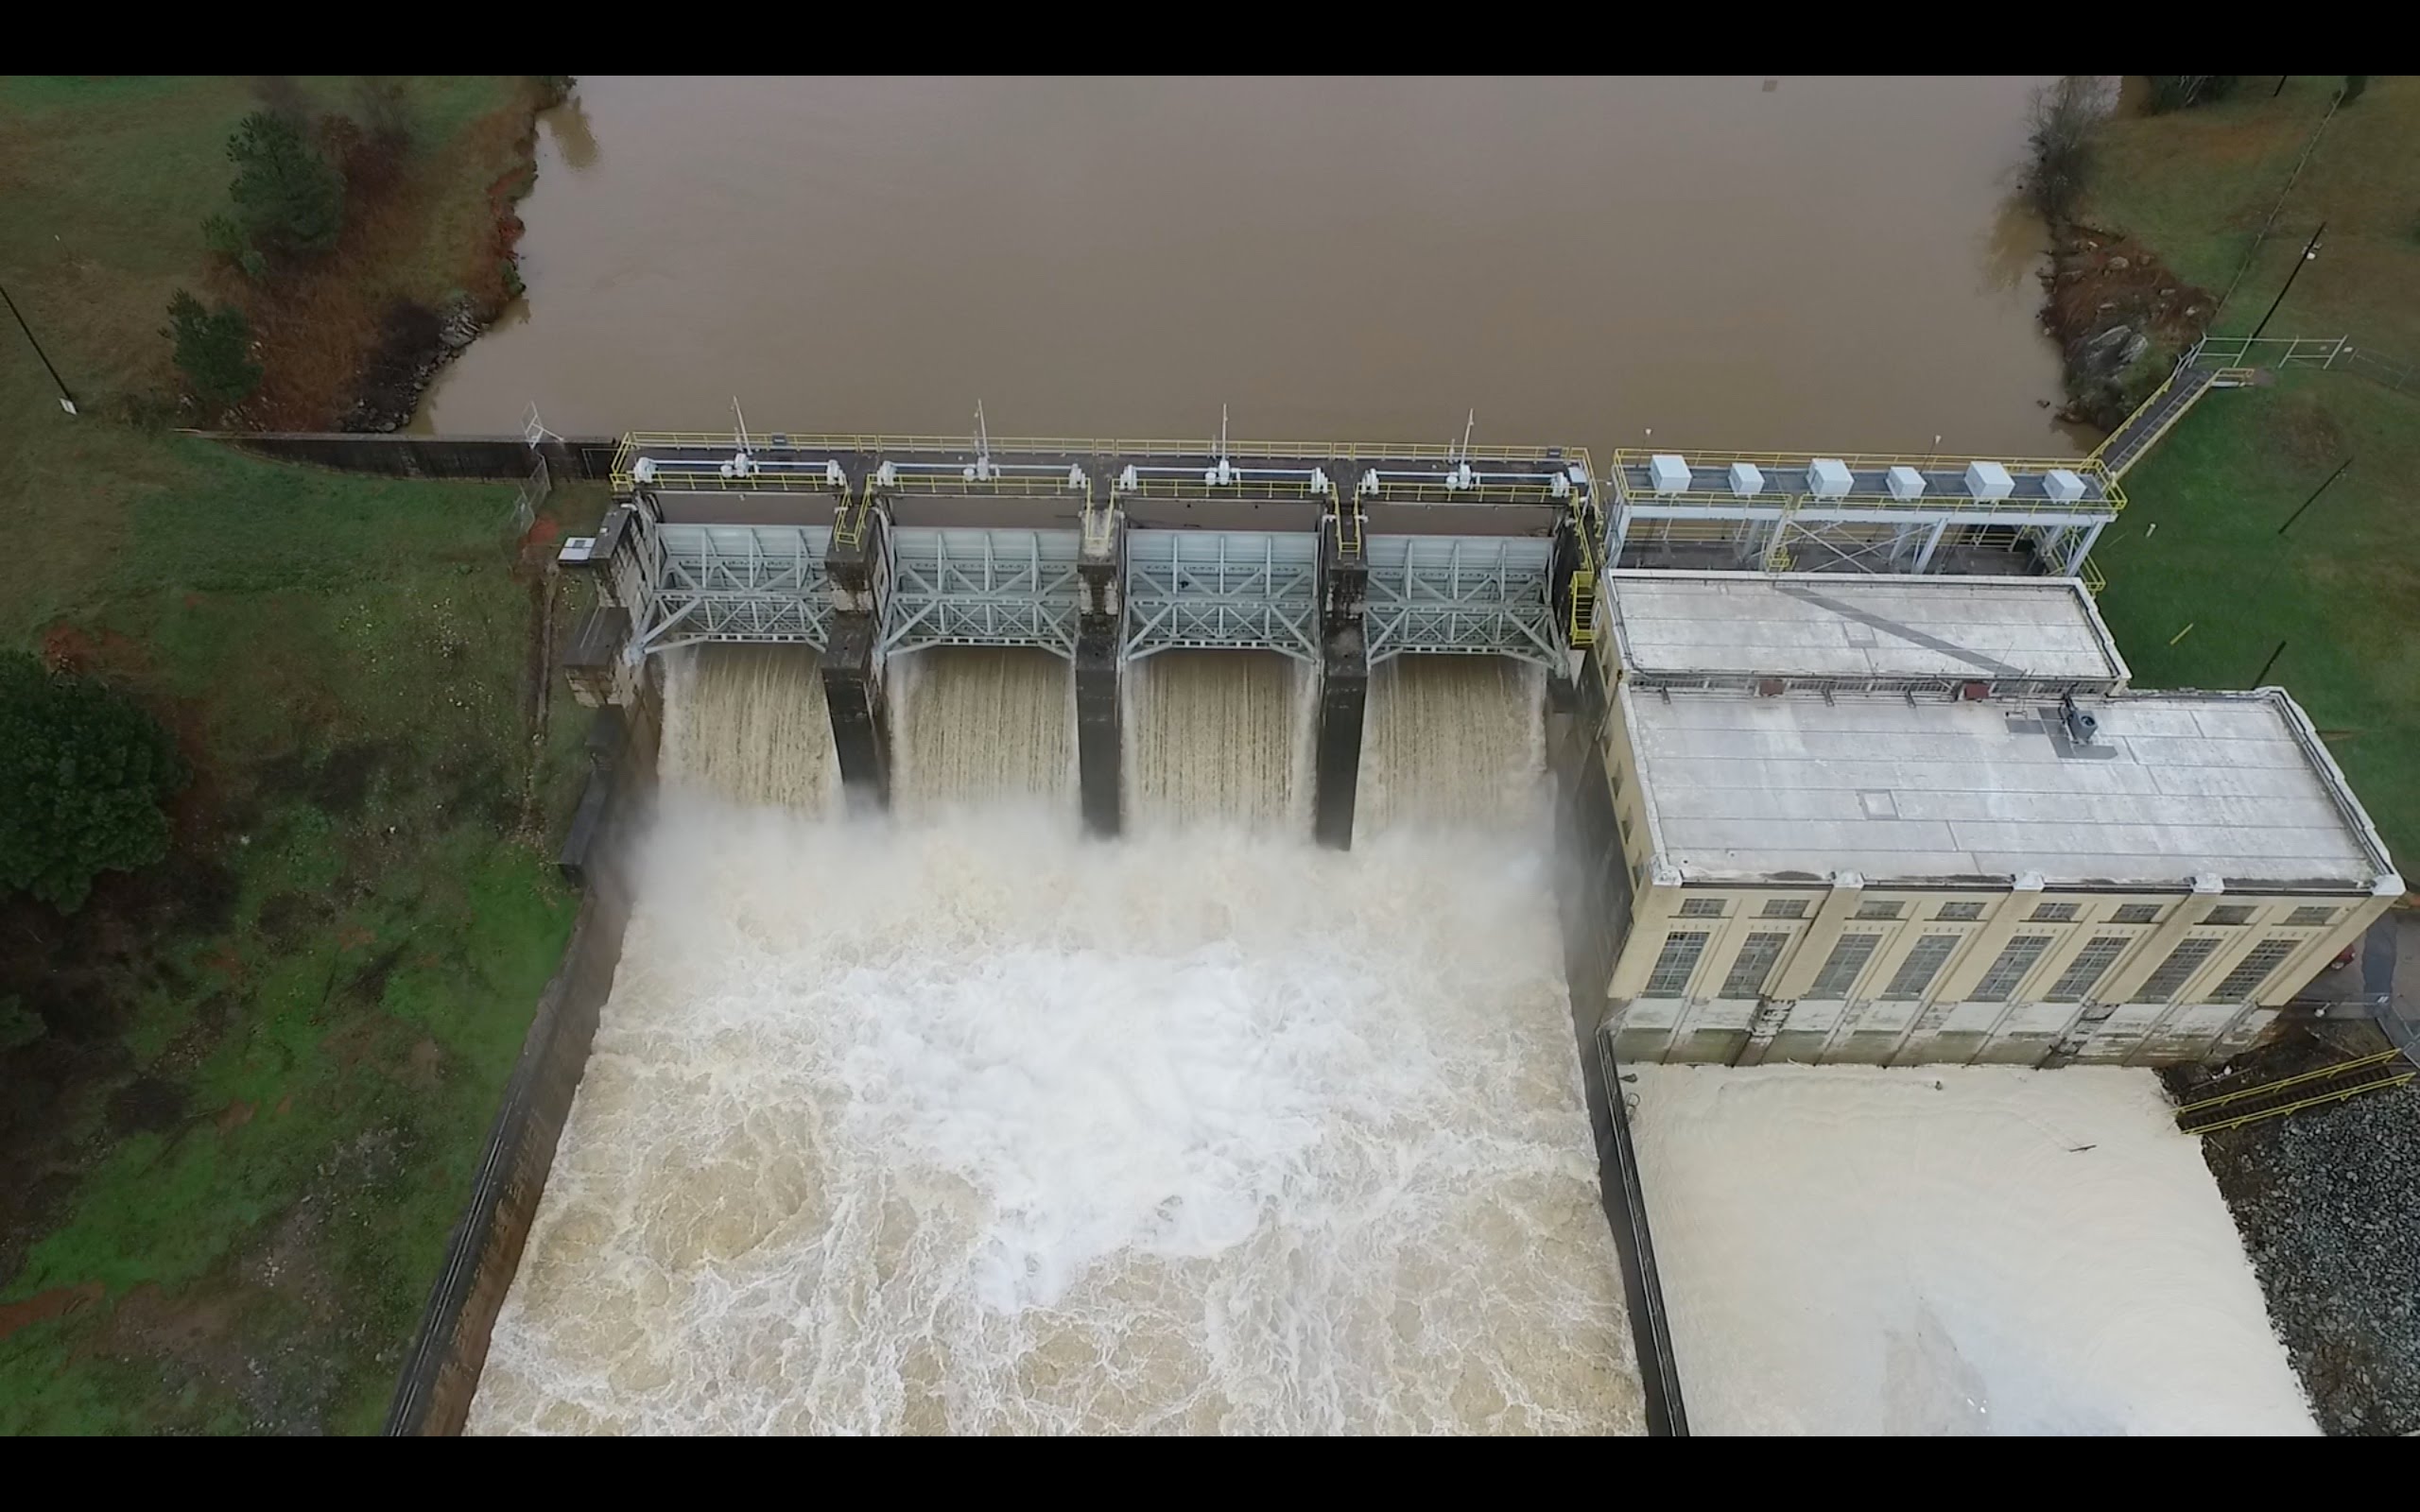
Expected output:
(1340, 557)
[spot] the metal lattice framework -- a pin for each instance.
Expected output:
(1222, 589)
(1786, 526)
(762, 583)
(1486, 596)
(983, 588)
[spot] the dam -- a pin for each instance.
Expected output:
(1094, 935)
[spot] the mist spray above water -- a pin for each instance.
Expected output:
(962, 1122)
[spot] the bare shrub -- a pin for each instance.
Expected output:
(2063, 117)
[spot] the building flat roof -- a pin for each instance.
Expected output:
(1831, 626)
(2173, 786)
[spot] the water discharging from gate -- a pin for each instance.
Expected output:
(1454, 743)
(748, 722)
(979, 725)
(961, 1122)
(1219, 737)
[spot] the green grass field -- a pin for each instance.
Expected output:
(267, 1067)
(2198, 546)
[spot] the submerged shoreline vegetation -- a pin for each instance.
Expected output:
(246, 1085)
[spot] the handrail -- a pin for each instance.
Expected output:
(1103, 446)
(2332, 1095)
(2336, 1069)
(1538, 460)
(2145, 408)
(1860, 462)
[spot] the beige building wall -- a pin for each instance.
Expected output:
(1838, 969)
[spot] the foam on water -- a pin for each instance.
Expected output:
(967, 1124)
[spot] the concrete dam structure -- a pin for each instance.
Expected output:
(1104, 554)
(881, 1094)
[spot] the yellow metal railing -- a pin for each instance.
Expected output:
(849, 522)
(636, 444)
(2334, 1094)
(2094, 578)
(1348, 526)
(2188, 1115)
(1098, 523)
(2261, 1089)
(2140, 410)
(1166, 487)
(1021, 484)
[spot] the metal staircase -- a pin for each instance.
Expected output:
(2156, 416)
(2287, 1094)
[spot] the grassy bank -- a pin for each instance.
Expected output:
(108, 182)
(265, 1066)
(2204, 589)
(2198, 185)
(2199, 546)
(2197, 555)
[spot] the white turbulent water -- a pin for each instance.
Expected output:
(1452, 742)
(974, 1126)
(1218, 736)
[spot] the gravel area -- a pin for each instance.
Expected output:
(2329, 1203)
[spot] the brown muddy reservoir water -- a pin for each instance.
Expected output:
(1823, 262)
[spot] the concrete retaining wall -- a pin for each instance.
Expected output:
(440, 1373)
(429, 456)
(1593, 892)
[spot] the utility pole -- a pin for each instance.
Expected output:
(2311, 250)
(66, 398)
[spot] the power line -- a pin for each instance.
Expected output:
(2311, 250)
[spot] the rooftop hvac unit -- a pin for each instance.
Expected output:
(2062, 485)
(1989, 480)
(1747, 479)
(1827, 477)
(1667, 473)
(1906, 482)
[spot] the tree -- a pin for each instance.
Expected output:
(2063, 117)
(214, 350)
(83, 773)
(287, 197)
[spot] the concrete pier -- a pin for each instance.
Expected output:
(851, 658)
(1100, 746)
(1344, 676)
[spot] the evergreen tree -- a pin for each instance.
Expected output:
(214, 350)
(82, 776)
(287, 195)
